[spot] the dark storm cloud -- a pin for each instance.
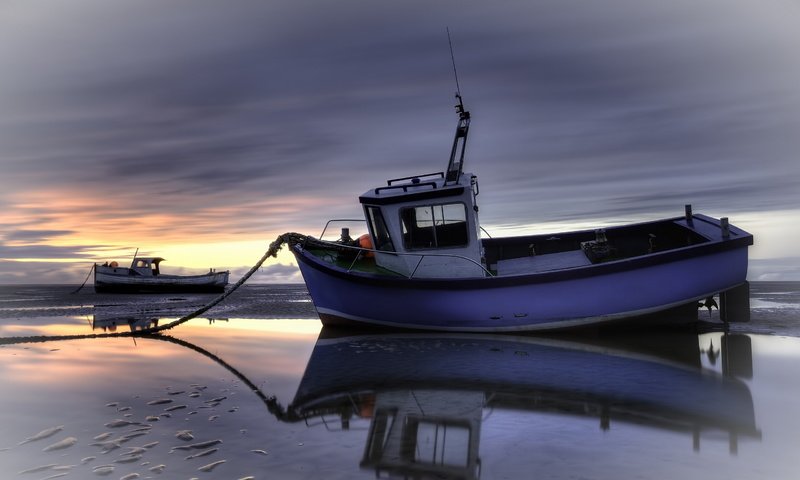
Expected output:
(581, 109)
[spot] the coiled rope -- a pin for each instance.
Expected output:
(290, 238)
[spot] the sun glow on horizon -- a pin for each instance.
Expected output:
(65, 226)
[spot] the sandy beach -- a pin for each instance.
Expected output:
(184, 405)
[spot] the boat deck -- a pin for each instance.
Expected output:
(542, 263)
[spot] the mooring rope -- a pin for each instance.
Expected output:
(86, 279)
(290, 237)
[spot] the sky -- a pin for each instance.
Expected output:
(200, 130)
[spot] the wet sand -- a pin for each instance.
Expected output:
(482, 406)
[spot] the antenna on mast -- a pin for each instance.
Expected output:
(453, 59)
(456, 163)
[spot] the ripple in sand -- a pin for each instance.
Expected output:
(130, 476)
(86, 460)
(160, 401)
(102, 436)
(143, 428)
(134, 451)
(151, 418)
(260, 452)
(107, 445)
(49, 432)
(202, 454)
(185, 435)
(197, 446)
(40, 468)
(128, 459)
(158, 468)
(56, 475)
(117, 423)
(131, 436)
(66, 443)
(103, 470)
(175, 407)
(211, 466)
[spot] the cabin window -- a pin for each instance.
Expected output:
(141, 264)
(434, 226)
(379, 231)
(439, 443)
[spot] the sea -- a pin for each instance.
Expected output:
(256, 388)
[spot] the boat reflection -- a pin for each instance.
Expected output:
(108, 318)
(425, 395)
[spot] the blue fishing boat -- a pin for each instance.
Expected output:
(423, 263)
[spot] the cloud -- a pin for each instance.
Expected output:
(33, 236)
(195, 121)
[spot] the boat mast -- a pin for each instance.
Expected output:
(456, 163)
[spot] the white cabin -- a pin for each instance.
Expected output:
(429, 222)
(433, 224)
(146, 266)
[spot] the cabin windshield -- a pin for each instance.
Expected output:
(434, 226)
(379, 230)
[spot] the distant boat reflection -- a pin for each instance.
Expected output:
(108, 318)
(425, 394)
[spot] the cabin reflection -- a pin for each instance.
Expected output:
(419, 433)
(135, 324)
(425, 395)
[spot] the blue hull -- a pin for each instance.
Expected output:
(483, 306)
(564, 298)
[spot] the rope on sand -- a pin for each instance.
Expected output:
(290, 237)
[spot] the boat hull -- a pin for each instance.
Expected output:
(592, 295)
(110, 282)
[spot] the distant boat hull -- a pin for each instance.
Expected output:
(119, 280)
(565, 298)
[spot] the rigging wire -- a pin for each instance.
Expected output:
(453, 59)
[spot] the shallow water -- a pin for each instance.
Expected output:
(330, 404)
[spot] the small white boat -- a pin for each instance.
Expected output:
(424, 265)
(144, 276)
